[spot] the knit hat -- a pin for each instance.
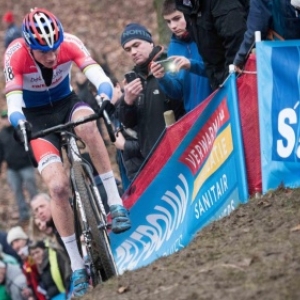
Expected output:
(135, 31)
(16, 233)
(8, 17)
(296, 3)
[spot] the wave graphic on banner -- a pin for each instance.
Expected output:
(158, 229)
(186, 184)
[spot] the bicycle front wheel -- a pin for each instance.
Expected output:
(100, 251)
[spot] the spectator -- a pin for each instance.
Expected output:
(129, 157)
(282, 16)
(20, 172)
(18, 239)
(191, 82)
(41, 208)
(7, 249)
(54, 269)
(47, 231)
(12, 31)
(144, 103)
(12, 277)
(7, 258)
(218, 28)
(128, 145)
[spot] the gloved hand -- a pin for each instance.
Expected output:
(105, 105)
(109, 107)
(19, 131)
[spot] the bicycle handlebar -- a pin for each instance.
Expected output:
(106, 119)
(70, 125)
(65, 126)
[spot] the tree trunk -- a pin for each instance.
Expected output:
(163, 30)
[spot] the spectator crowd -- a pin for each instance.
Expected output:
(205, 38)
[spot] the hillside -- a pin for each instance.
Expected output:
(252, 254)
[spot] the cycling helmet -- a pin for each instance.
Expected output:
(42, 30)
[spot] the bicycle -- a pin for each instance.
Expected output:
(89, 213)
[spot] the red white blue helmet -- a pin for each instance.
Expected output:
(42, 30)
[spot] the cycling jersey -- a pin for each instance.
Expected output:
(25, 86)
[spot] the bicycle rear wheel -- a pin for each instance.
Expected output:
(99, 245)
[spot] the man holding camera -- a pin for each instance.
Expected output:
(218, 28)
(143, 104)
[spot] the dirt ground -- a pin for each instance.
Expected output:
(252, 254)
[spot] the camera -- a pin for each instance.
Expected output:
(130, 76)
(168, 64)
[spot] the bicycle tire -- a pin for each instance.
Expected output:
(101, 253)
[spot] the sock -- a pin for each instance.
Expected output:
(74, 255)
(109, 183)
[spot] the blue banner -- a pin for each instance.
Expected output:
(278, 73)
(203, 180)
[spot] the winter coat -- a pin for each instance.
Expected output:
(218, 28)
(3, 293)
(131, 155)
(147, 113)
(12, 32)
(278, 15)
(32, 277)
(12, 151)
(190, 85)
(15, 281)
(55, 281)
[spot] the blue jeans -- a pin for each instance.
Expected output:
(18, 180)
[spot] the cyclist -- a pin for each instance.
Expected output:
(39, 95)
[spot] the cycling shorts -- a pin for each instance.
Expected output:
(46, 150)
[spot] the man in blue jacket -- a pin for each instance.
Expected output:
(190, 81)
(278, 15)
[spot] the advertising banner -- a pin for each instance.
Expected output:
(195, 175)
(278, 67)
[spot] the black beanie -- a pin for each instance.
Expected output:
(135, 31)
(37, 244)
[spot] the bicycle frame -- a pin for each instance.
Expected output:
(74, 157)
(86, 198)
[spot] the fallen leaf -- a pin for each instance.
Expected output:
(296, 228)
(264, 204)
(123, 289)
(246, 262)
